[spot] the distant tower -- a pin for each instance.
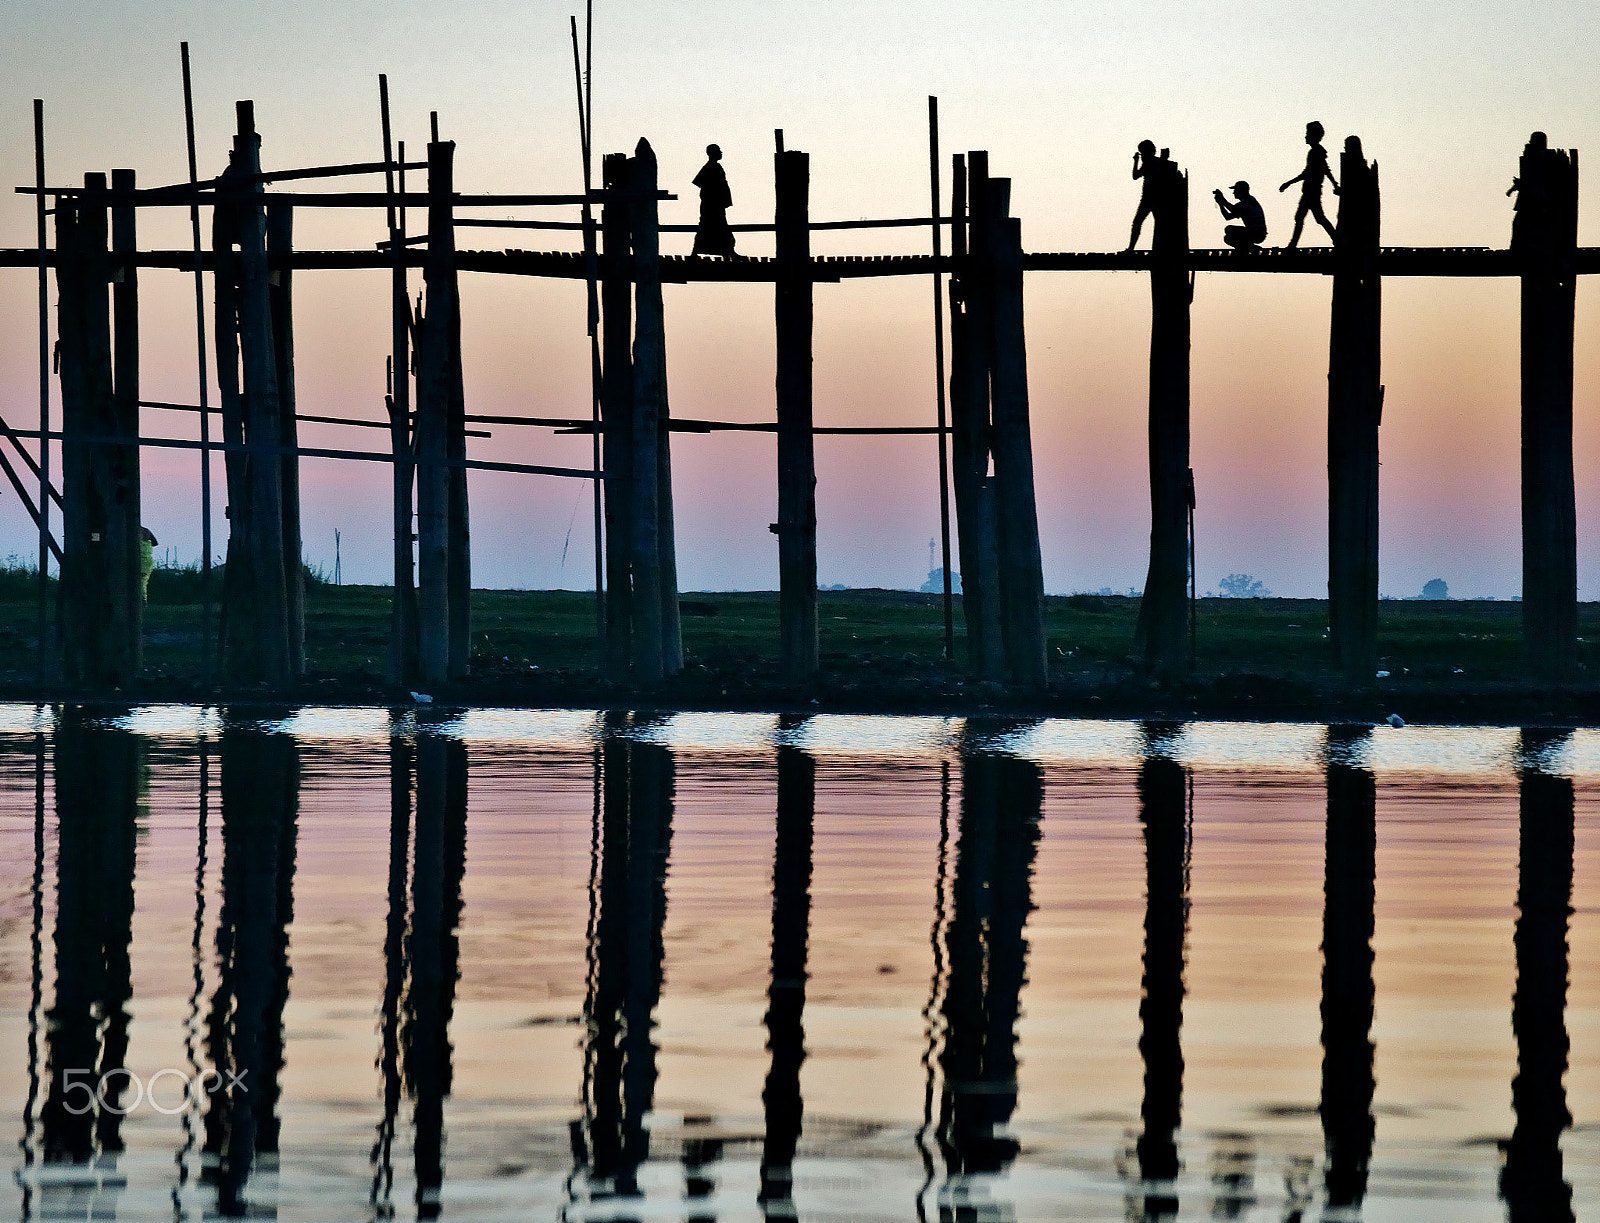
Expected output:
(338, 568)
(932, 564)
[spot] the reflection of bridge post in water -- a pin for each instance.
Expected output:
(434, 954)
(1532, 1181)
(402, 758)
(1164, 819)
(786, 997)
(97, 798)
(629, 955)
(1349, 890)
(244, 1037)
(987, 952)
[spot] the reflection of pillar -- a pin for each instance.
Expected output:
(260, 806)
(1347, 988)
(97, 784)
(1164, 817)
(987, 954)
(434, 953)
(629, 955)
(1532, 1181)
(401, 759)
(791, 922)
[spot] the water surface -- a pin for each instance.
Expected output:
(560, 965)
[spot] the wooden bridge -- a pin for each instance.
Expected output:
(986, 464)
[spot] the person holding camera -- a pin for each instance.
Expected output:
(1251, 231)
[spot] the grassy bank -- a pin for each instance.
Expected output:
(1448, 660)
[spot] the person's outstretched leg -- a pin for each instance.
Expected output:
(1322, 220)
(1138, 224)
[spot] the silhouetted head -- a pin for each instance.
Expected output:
(1147, 147)
(1538, 141)
(1352, 146)
(1241, 189)
(713, 152)
(1314, 132)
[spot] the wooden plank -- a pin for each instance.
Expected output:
(1355, 407)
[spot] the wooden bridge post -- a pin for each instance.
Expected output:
(458, 521)
(280, 244)
(95, 586)
(1021, 563)
(971, 334)
(616, 411)
(262, 418)
(403, 611)
(1163, 612)
(1355, 408)
(238, 604)
(124, 533)
(796, 527)
(435, 364)
(1546, 235)
(653, 654)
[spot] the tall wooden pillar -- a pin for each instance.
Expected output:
(435, 378)
(656, 638)
(98, 587)
(280, 245)
(403, 611)
(1355, 407)
(124, 529)
(796, 527)
(971, 332)
(1164, 610)
(262, 418)
(1546, 237)
(458, 519)
(616, 412)
(1011, 439)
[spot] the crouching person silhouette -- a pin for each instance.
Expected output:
(1251, 231)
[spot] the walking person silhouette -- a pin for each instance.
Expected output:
(713, 235)
(1154, 170)
(1310, 180)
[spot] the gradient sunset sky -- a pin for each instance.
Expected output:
(1442, 94)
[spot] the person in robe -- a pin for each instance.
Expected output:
(713, 236)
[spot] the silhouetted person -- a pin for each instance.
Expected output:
(1163, 813)
(1251, 231)
(713, 237)
(1347, 985)
(1532, 1181)
(1156, 170)
(1310, 180)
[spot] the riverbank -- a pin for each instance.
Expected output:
(882, 652)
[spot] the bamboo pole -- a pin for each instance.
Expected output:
(1355, 407)
(585, 84)
(263, 421)
(204, 383)
(124, 537)
(648, 368)
(42, 611)
(280, 297)
(1022, 567)
(616, 407)
(434, 378)
(1545, 242)
(1163, 610)
(938, 382)
(796, 527)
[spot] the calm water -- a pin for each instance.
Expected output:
(354, 964)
